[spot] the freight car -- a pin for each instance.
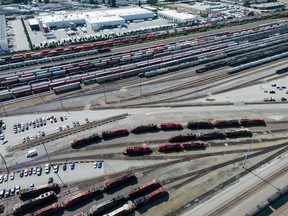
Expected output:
(24, 206)
(137, 150)
(72, 200)
(226, 123)
(170, 147)
(66, 88)
(28, 192)
(211, 135)
(113, 183)
(144, 128)
(282, 70)
(251, 122)
(170, 126)
(134, 192)
(238, 133)
(150, 197)
(115, 133)
(199, 124)
(124, 210)
(86, 140)
(49, 210)
(102, 207)
(182, 138)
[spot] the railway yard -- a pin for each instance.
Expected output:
(189, 124)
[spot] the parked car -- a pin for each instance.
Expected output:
(5, 177)
(7, 193)
(50, 180)
(72, 166)
(39, 171)
(21, 174)
(32, 185)
(17, 189)
(12, 175)
(47, 168)
(30, 171)
(64, 167)
(56, 168)
(99, 164)
(2, 193)
(1, 179)
(95, 164)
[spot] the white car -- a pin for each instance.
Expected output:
(56, 168)
(17, 189)
(1, 179)
(12, 176)
(34, 170)
(25, 172)
(47, 168)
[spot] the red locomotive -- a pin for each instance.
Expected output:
(115, 133)
(130, 150)
(170, 147)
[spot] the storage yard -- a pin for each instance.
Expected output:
(170, 122)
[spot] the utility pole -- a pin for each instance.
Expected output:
(51, 162)
(253, 137)
(140, 86)
(4, 163)
(104, 93)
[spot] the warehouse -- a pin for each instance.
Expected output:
(178, 17)
(3, 34)
(96, 19)
(97, 23)
(34, 24)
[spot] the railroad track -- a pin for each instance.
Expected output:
(228, 182)
(232, 203)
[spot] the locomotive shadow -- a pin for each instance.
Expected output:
(156, 202)
(86, 145)
(146, 132)
(133, 181)
(172, 129)
(138, 154)
(96, 198)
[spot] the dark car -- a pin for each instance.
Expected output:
(272, 92)
(72, 166)
(50, 180)
(21, 173)
(99, 164)
(64, 167)
(30, 171)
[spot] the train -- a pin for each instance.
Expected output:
(199, 124)
(24, 206)
(257, 210)
(282, 70)
(48, 210)
(36, 191)
(113, 183)
(211, 135)
(182, 138)
(150, 197)
(115, 133)
(238, 133)
(196, 145)
(85, 48)
(160, 65)
(137, 150)
(72, 200)
(104, 206)
(86, 140)
(134, 192)
(253, 122)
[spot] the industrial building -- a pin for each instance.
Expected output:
(3, 34)
(96, 19)
(34, 24)
(178, 17)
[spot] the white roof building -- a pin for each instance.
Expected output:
(179, 17)
(62, 19)
(3, 34)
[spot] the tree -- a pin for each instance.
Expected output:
(152, 2)
(246, 3)
(46, 1)
(251, 13)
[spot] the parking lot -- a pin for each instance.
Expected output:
(38, 37)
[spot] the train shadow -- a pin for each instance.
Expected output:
(85, 202)
(115, 137)
(146, 132)
(85, 145)
(172, 129)
(133, 181)
(156, 202)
